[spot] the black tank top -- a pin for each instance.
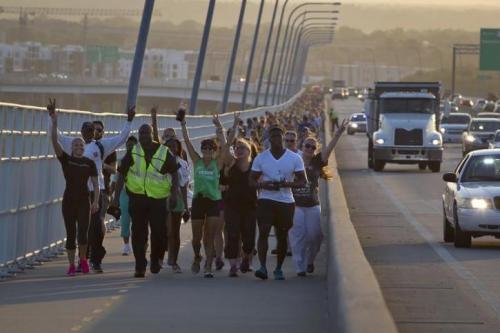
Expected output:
(239, 192)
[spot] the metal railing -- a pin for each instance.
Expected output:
(31, 224)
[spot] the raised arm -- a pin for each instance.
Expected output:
(222, 157)
(53, 131)
(112, 143)
(191, 151)
(327, 150)
(154, 123)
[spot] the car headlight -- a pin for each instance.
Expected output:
(380, 141)
(354, 125)
(476, 203)
(436, 142)
(470, 138)
(442, 130)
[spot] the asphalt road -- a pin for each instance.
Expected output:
(429, 286)
(45, 300)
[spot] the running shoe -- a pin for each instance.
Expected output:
(176, 269)
(126, 249)
(278, 275)
(233, 272)
(78, 268)
(261, 273)
(84, 266)
(71, 270)
(96, 267)
(310, 268)
(140, 274)
(208, 273)
(195, 267)
(155, 266)
(219, 264)
(245, 265)
(301, 274)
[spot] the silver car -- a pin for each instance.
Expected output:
(453, 126)
(471, 201)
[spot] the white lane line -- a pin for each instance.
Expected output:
(76, 328)
(440, 250)
(87, 319)
(97, 311)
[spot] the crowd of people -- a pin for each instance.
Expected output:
(258, 175)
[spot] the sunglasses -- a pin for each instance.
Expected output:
(100, 130)
(207, 148)
(290, 140)
(308, 146)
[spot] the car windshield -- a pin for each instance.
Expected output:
(482, 168)
(358, 117)
(407, 105)
(484, 126)
(456, 120)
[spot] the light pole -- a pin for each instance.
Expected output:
(266, 52)
(312, 31)
(252, 54)
(140, 49)
(285, 39)
(276, 43)
(295, 37)
(305, 52)
(229, 76)
(201, 58)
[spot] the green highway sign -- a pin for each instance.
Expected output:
(102, 54)
(489, 54)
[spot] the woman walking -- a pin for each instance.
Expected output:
(306, 235)
(205, 220)
(76, 206)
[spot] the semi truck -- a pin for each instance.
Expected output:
(403, 125)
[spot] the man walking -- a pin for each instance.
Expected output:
(149, 171)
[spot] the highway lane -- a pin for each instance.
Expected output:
(44, 300)
(429, 286)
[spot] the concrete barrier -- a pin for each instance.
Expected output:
(355, 301)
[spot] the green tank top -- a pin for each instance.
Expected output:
(206, 180)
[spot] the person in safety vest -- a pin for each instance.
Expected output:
(149, 172)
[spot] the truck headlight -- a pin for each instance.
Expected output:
(476, 203)
(380, 141)
(436, 142)
(470, 138)
(354, 125)
(442, 130)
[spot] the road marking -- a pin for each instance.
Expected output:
(441, 251)
(76, 328)
(97, 311)
(115, 297)
(87, 319)
(123, 291)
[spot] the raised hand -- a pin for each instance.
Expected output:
(51, 107)
(154, 111)
(216, 120)
(131, 113)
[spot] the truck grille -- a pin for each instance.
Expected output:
(403, 137)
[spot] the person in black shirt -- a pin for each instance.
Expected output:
(145, 210)
(76, 206)
(306, 236)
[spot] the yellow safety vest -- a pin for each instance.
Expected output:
(149, 181)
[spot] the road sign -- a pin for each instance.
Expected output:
(489, 55)
(104, 54)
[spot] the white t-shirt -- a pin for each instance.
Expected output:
(277, 170)
(184, 172)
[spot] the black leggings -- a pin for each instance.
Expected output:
(174, 238)
(76, 211)
(240, 227)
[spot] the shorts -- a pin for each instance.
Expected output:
(204, 207)
(275, 213)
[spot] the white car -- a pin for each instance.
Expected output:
(471, 201)
(453, 126)
(357, 123)
(495, 143)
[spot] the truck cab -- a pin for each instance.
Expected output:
(403, 126)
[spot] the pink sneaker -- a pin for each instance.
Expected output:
(85, 266)
(71, 270)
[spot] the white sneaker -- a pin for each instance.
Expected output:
(126, 249)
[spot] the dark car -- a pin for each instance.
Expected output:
(479, 134)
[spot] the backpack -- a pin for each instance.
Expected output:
(101, 148)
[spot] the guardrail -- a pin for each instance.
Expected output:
(31, 224)
(355, 301)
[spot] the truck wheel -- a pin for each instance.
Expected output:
(422, 165)
(448, 231)
(370, 154)
(462, 238)
(435, 166)
(378, 165)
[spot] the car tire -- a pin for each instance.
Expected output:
(378, 165)
(370, 154)
(422, 165)
(462, 239)
(435, 166)
(448, 231)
